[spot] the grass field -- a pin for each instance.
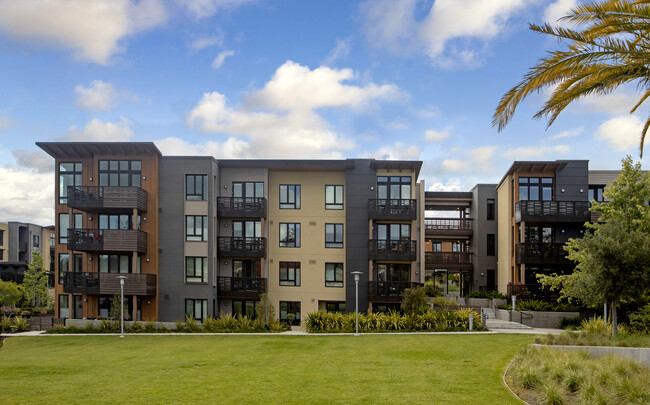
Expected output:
(379, 369)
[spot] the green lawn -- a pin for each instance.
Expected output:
(377, 369)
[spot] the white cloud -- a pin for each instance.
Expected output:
(232, 148)
(478, 159)
(567, 134)
(340, 51)
(621, 133)
(397, 151)
(38, 161)
(221, 58)
(390, 24)
(205, 42)
(452, 184)
(529, 152)
(558, 9)
(206, 8)
(5, 121)
(99, 96)
(27, 195)
(437, 136)
(93, 30)
(100, 131)
(619, 102)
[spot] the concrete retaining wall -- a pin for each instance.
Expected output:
(483, 302)
(535, 319)
(639, 354)
(81, 323)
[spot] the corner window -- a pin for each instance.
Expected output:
(69, 176)
(197, 309)
(333, 275)
(290, 312)
(333, 235)
(64, 224)
(490, 209)
(196, 269)
(333, 197)
(290, 196)
(196, 228)
(596, 193)
(289, 235)
(36, 241)
(393, 188)
(290, 273)
(196, 187)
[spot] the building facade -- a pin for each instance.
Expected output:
(18, 242)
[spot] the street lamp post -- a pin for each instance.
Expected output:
(356, 298)
(122, 278)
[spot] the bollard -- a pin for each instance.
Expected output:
(484, 320)
(471, 320)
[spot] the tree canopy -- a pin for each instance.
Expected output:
(610, 47)
(35, 282)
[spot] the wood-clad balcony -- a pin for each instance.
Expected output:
(107, 199)
(109, 283)
(448, 226)
(448, 260)
(396, 210)
(400, 250)
(388, 291)
(241, 287)
(236, 207)
(541, 253)
(107, 240)
(552, 211)
(241, 247)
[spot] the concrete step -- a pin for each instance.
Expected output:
(499, 324)
(489, 312)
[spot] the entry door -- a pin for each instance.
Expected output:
(77, 309)
(491, 280)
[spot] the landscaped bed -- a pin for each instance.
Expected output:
(256, 369)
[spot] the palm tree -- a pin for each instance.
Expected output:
(610, 47)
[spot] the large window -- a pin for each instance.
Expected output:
(535, 188)
(64, 224)
(490, 209)
(120, 172)
(115, 221)
(333, 235)
(69, 175)
(393, 188)
(290, 273)
(244, 308)
(36, 241)
(247, 268)
(539, 234)
(64, 306)
(77, 263)
(333, 274)
(197, 309)
(117, 264)
(64, 266)
(335, 307)
(289, 235)
(2, 237)
(596, 193)
(196, 269)
(491, 244)
(333, 197)
(196, 229)
(393, 231)
(393, 272)
(247, 229)
(290, 312)
(290, 196)
(248, 189)
(196, 187)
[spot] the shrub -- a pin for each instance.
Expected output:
(445, 301)
(10, 293)
(571, 322)
(19, 324)
(640, 323)
(431, 290)
(5, 324)
(486, 294)
(109, 326)
(414, 300)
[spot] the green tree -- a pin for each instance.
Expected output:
(10, 293)
(414, 300)
(609, 47)
(612, 259)
(35, 282)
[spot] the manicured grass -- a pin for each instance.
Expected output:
(464, 369)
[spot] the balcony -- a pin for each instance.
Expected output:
(236, 207)
(241, 247)
(448, 260)
(541, 253)
(449, 226)
(392, 249)
(107, 199)
(388, 291)
(109, 283)
(552, 211)
(110, 240)
(241, 287)
(400, 210)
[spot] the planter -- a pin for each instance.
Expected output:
(535, 319)
(478, 302)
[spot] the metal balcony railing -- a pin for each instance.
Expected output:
(392, 249)
(115, 240)
(241, 247)
(552, 211)
(241, 287)
(388, 291)
(107, 198)
(389, 209)
(241, 207)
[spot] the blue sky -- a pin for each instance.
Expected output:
(390, 79)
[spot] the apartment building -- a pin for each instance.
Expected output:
(18, 240)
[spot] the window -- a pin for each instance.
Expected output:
(117, 264)
(248, 189)
(333, 275)
(333, 235)
(290, 273)
(393, 272)
(490, 209)
(196, 269)
(64, 266)
(290, 312)
(77, 263)
(538, 234)
(535, 188)
(64, 306)
(69, 175)
(335, 307)
(120, 172)
(394, 231)
(596, 193)
(436, 246)
(64, 224)
(197, 309)
(114, 221)
(2, 254)
(2, 237)
(36, 241)
(289, 235)
(244, 308)
(196, 187)
(196, 229)
(247, 229)
(290, 196)
(491, 244)
(333, 197)
(393, 188)
(247, 268)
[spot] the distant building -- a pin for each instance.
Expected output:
(18, 240)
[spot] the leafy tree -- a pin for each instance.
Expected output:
(35, 282)
(609, 47)
(613, 256)
(116, 309)
(10, 293)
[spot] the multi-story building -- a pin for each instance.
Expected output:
(18, 241)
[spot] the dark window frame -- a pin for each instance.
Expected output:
(63, 231)
(337, 277)
(526, 185)
(244, 194)
(290, 307)
(61, 273)
(36, 241)
(192, 277)
(114, 264)
(386, 185)
(194, 181)
(338, 191)
(286, 192)
(292, 276)
(106, 173)
(491, 244)
(290, 242)
(335, 306)
(199, 233)
(335, 242)
(204, 308)
(491, 209)
(595, 193)
(244, 306)
(77, 179)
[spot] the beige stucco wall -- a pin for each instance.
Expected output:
(504, 239)
(312, 253)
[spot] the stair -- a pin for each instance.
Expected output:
(499, 324)
(489, 313)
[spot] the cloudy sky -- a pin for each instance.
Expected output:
(390, 79)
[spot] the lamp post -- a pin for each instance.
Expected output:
(122, 278)
(356, 299)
